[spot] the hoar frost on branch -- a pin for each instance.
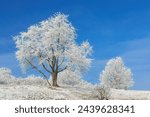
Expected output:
(50, 46)
(116, 75)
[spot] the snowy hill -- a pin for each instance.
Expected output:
(130, 94)
(71, 88)
(26, 90)
(36, 88)
(29, 92)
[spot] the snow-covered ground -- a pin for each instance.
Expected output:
(36, 92)
(71, 88)
(30, 92)
(36, 88)
(130, 94)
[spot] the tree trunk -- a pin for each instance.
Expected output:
(54, 79)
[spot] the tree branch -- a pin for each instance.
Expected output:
(35, 67)
(46, 68)
(62, 69)
(61, 62)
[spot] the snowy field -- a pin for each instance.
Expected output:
(71, 88)
(32, 92)
(130, 94)
(37, 89)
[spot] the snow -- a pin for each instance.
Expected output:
(32, 92)
(36, 88)
(28, 91)
(129, 95)
(71, 88)
(50, 46)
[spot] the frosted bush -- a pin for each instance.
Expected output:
(69, 78)
(5, 76)
(33, 80)
(74, 79)
(102, 92)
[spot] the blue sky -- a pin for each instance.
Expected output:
(113, 28)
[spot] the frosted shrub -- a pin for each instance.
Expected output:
(116, 75)
(33, 80)
(69, 78)
(102, 92)
(5, 76)
(72, 79)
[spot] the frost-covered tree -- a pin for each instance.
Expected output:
(50, 46)
(116, 75)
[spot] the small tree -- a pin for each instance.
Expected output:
(116, 75)
(50, 46)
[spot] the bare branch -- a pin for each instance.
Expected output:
(61, 62)
(46, 68)
(62, 69)
(35, 67)
(50, 64)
